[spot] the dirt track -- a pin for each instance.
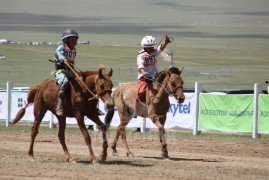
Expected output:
(190, 159)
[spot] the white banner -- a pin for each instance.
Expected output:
(179, 116)
(3, 106)
(18, 101)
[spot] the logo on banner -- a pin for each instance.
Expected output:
(180, 108)
(20, 102)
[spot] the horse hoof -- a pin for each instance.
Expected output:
(95, 161)
(73, 161)
(103, 158)
(115, 154)
(130, 155)
(165, 156)
(32, 159)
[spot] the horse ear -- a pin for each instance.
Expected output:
(110, 72)
(181, 70)
(100, 72)
(167, 72)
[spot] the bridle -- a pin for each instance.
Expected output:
(173, 91)
(101, 92)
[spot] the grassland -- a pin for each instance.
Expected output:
(223, 44)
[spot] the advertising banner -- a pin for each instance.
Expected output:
(230, 113)
(19, 100)
(179, 116)
(3, 106)
(263, 123)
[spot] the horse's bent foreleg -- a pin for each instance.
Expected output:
(103, 128)
(61, 136)
(87, 138)
(160, 126)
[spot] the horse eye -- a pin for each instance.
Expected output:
(173, 84)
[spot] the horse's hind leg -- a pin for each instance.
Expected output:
(121, 132)
(61, 136)
(39, 111)
(103, 128)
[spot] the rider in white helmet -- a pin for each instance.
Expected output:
(147, 65)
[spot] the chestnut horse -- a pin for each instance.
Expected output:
(157, 104)
(79, 102)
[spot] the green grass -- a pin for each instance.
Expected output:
(72, 130)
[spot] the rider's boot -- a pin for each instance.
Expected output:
(59, 107)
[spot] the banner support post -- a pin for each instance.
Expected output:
(257, 91)
(10, 85)
(198, 90)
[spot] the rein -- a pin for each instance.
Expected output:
(162, 86)
(95, 96)
(173, 90)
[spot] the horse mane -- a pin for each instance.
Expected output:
(175, 70)
(162, 74)
(85, 74)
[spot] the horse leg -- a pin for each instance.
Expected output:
(114, 144)
(121, 132)
(40, 110)
(123, 137)
(160, 126)
(34, 133)
(61, 136)
(103, 128)
(87, 138)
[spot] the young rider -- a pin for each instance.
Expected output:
(147, 65)
(65, 53)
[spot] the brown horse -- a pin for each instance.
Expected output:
(78, 102)
(157, 104)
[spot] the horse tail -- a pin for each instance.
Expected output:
(110, 114)
(19, 115)
(32, 93)
(30, 99)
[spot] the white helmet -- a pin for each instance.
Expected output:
(148, 41)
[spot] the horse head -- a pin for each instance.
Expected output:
(103, 86)
(175, 84)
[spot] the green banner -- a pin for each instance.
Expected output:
(263, 125)
(229, 112)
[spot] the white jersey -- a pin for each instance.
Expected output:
(148, 62)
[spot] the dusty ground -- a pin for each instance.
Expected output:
(190, 159)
